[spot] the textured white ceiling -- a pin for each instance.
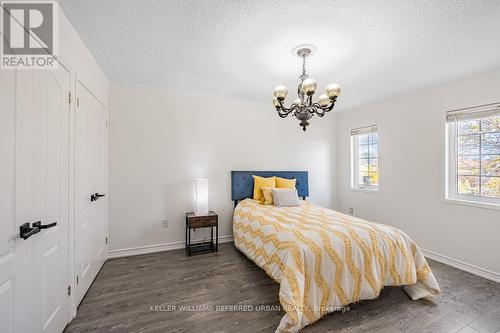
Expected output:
(241, 49)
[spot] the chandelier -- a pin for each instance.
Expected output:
(303, 108)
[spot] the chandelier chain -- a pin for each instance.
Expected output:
(304, 64)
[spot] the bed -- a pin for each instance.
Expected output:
(322, 259)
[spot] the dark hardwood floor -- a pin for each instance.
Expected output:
(127, 290)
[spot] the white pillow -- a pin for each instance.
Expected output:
(285, 197)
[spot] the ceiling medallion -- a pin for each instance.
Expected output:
(303, 107)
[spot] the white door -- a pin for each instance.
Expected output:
(90, 189)
(43, 191)
(34, 149)
(14, 252)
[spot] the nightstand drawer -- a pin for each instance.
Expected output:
(202, 221)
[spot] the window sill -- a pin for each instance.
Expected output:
(471, 203)
(366, 190)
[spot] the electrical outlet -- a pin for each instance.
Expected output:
(351, 211)
(164, 223)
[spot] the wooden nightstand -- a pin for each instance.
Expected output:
(202, 221)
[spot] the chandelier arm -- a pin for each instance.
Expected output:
(284, 114)
(293, 109)
(316, 107)
(333, 104)
(283, 111)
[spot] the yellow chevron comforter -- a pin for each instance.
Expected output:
(324, 260)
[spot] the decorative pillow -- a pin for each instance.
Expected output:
(285, 183)
(268, 195)
(259, 183)
(285, 197)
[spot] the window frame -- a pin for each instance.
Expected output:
(354, 140)
(451, 165)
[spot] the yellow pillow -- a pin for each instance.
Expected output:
(268, 195)
(259, 183)
(285, 183)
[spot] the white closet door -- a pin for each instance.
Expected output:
(90, 180)
(34, 271)
(14, 252)
(46, 189)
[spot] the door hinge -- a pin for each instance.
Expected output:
(78, 101)
(69, 97)
(107, 123)
(77, 279)
(106, 240)
(69, 290)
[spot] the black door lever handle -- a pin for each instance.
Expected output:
(39, 225)
(26, 232)
(96, 196)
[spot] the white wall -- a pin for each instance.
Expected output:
(412, 160)
(161, 140)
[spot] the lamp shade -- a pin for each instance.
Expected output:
(201, 196)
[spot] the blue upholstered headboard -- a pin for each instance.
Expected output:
(242, 182)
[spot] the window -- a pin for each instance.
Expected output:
(364, 152)
(473, 163)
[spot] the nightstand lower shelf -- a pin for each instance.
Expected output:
(201, 248)
(209, 220)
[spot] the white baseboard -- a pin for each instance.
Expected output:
(493, 276)
(133, 251)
